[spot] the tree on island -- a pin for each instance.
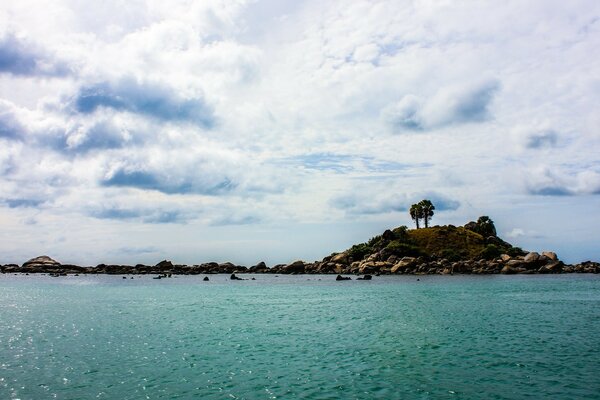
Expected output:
(427, 208)
(422, 210)
(415, 213)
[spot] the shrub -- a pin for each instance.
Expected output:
(401, 234)
(490, 252)
(374, 241)
(515, 251)
(403, 249)
(450, 255)
(359, 251)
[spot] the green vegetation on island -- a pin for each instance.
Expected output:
(475, 240)
(449, 242)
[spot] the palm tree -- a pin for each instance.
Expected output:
(415, 213)
(427, 208)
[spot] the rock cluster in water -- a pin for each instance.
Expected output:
(436, 250)
(338, 264)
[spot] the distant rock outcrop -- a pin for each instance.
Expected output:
(41, 262)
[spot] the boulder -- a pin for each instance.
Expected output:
(505, 257)
(404, 263)
(532, 257)
(367, 267)
(354, 266)
(373, 267)
(227, 267)
(388, 235)
(41, 261)
(551, 255)
(209, 267)
(295, 267)
(508, 270)
(278, 268)
(514, 263)
(372, 257)
(341, 258)
(342, 278)
(260, 267)
(393, 259)
(165, 264)
(552, 267)
(471, 225)
(73, 268)
(367, 277)
(495, 240)
(568, 269)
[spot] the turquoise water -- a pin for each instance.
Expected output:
(451, 337)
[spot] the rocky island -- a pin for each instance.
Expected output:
(473, 248)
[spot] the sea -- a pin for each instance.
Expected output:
(300, 337)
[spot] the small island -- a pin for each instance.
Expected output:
(474, 248)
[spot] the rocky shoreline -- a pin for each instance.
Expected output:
(473, 248)
(341, 263)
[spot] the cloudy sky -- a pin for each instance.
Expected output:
(133, 131)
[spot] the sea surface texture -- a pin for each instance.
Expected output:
(309, 337)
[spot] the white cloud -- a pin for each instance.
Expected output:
(515, 233)
(456, 104)
(549, 181)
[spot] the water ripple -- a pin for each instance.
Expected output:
(453, 337)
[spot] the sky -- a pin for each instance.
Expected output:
(247, 131)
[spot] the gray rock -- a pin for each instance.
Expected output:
(342, 278)
(531, 257)
(508, 270)
(404, 263)
(165, 264)
(41, 261)
(261, 266)
(514, 263)
(341, 258)
(295, 267)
